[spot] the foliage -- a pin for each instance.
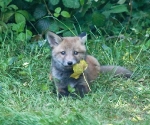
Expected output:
(71, 17)
(13, 21)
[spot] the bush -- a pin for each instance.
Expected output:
(32, 17)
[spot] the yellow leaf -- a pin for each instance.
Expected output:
(79, 69)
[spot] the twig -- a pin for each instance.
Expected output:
(86, 81)
(49, 13)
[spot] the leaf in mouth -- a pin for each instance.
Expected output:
(79, 68)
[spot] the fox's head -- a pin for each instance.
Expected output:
(67, 51)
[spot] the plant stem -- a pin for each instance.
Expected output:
(86, 81)
(49, 13)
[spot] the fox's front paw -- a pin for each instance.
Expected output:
(63, 92)
(82, 90)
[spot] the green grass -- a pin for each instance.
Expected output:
(27, 96)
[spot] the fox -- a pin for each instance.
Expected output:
(68, 51)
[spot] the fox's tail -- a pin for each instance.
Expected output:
(116, 70)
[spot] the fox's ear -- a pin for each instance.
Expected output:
(53, 39)
(83, 37)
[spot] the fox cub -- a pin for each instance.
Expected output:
(67, 51)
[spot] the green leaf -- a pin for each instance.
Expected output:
(121, 1)
(39, 11)
(54, 27)
(82, 2)
(18, 27)
(5, 2)
(13, 6)
(65, 14)
(119, 9)
(19, 18)
(98, 19)
(56, 14)
(57, 10)
(7, 15)
(71, 3)
(26, 14)
(54, 2)
(21, 37)
(3, 26)
(71, 89)
(28, 34)
(2, 4)
(106, 13)
(43, 24)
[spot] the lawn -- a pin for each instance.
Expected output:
(28, 97)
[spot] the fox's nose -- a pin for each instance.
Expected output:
(69, 63)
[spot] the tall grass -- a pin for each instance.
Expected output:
(28, 97)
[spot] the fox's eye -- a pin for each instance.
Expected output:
(63, 52)
(75, 53)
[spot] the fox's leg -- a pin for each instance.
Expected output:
(62, 92)
(82, 89)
